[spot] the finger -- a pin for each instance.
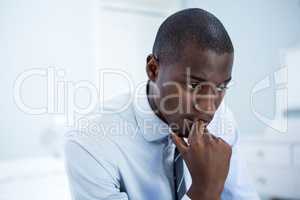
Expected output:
(222, 140)
(196, 131)
(205, 131)
(181, 145)
(209, 136)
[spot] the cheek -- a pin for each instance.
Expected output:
(219, 99)
(179, 101)
(204, 103)
(170, 100)
(188, 103)
(174, 100)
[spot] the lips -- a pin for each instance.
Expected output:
(204, 118)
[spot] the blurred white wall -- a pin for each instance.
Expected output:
(81, 36)
(126, 36)
(260, 30)
(40, 34)
(77, 37)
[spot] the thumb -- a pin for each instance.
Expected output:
(180, 143)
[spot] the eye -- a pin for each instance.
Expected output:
(222, 87)
(192, 85)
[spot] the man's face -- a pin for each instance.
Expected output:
(193, 88)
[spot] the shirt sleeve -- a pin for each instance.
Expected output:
(90, 178)
(238, 185)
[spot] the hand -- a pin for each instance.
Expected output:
(207, 158)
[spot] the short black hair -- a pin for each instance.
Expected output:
(190, 26)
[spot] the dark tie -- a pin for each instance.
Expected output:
(180, 188)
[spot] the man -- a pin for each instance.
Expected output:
(177, 140)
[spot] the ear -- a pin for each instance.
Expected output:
(152, 67)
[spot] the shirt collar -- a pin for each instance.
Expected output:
(150, 125)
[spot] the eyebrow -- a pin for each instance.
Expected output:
(198, 78)
(204, 80)
(228, 80)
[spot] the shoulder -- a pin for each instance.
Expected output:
(103, 132)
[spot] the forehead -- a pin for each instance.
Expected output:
(205, 64)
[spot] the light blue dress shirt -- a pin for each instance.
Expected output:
(128, 154)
